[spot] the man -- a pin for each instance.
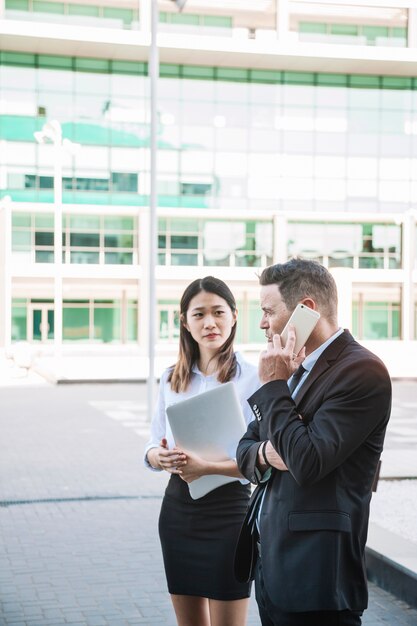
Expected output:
(313, 452)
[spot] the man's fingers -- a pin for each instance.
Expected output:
(276, 340)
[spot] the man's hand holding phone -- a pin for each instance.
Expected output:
(277, 362)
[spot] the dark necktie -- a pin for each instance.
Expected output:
(296, 378)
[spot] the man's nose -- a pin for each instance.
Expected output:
(263, 323)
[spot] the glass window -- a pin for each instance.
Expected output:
(19, 321)
(132, 321)
(380, 320)
(48, 7)
(107, 323)
(85, 240)
(118, 258)
(17, 5)
(76, 323)
(83, 9)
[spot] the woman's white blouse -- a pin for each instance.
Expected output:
(246, 382)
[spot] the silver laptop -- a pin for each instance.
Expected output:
(211, 425)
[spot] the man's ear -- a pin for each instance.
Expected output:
(310, 303)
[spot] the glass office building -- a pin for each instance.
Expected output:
(284, 128)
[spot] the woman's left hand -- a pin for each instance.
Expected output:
(194, 467)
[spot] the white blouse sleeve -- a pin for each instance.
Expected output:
(158, 424)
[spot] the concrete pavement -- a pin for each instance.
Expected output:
(78, 512)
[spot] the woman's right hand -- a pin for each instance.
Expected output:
(169, 460)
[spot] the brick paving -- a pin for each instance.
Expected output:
(78, 514)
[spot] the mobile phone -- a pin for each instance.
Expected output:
(304, 320)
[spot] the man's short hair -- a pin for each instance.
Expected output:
(302, 278)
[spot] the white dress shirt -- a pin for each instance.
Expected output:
(246, 381)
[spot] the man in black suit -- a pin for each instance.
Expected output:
(313, 452)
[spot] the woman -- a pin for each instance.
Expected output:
(198, 537)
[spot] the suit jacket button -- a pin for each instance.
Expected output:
(255, 407)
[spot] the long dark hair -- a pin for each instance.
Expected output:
(189, 353)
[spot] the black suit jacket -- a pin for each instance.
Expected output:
(314, 518)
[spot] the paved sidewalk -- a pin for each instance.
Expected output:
(78, 513)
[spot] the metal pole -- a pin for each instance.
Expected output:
(153, 76)
(58, 240)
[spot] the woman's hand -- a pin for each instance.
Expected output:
(194, 467)
(171, 461)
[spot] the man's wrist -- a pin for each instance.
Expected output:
(263, 452)
(262, 461)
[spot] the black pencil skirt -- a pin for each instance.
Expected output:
(199, 537)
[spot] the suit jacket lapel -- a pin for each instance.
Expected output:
(324, 361)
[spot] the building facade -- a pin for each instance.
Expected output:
(284, 128)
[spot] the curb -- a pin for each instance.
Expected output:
(391, 563)
(392, 577)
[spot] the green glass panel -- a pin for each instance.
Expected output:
(37, 322)
(395, 323)
(184, 18)
(399, 32)
(76, 324)
(44, 221)
(375, 321)
(170, 201)
(92, 65)
(44, 239)
(264, 76)
(118, 223)
(106, 324)
(184, 259)
(19, 322)
(18, 127)
(83, 9)
(126, 15)
(132, 322)
(163, 324)
(84, 240)
(163, 17)
(371, 32)
(118, 241)
(198, 72)
(217, 20)
(17, 5)
(232, 74)
(118, 258)
(179, 225)
(396, 82)
(298, 78)
(184, 242)
(193, 202)
(344, 29)
(332, 80)
(48, 7)
(128, 67)
(18, 58)
(21, 239)
(84, 222)
(54, 62)
(366, 82)
(21, 219)
(84, 258)
(312, 27)
(169, 70)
